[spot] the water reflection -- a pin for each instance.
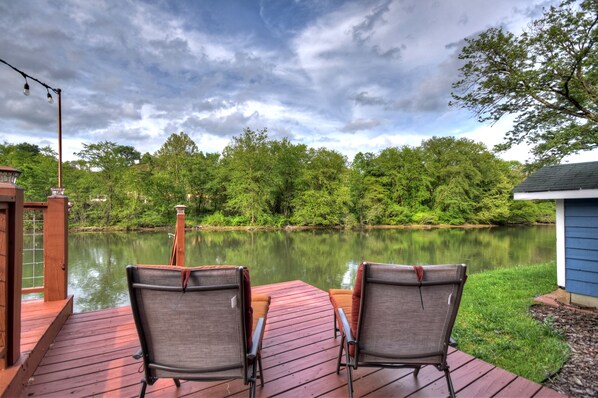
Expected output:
(326, 259)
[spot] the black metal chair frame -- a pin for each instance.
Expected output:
(347, 338)
(253, 356)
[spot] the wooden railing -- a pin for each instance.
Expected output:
(55, 233)
(55, 236)
(177, 254)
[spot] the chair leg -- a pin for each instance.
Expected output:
(416, 371)
(449, 383)
(340, 355)
(259, 362)
(349, 368)
(335, 328)
(350, 381)
(177, 382)
(143, 386)
(252, 376)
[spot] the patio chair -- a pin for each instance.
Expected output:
(398, 316)
(198, 324)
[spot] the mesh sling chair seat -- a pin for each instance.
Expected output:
(197, 324)
(398, 316)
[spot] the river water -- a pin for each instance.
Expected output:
(326, 259)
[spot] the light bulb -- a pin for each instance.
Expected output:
(26, 88)
(50, 99)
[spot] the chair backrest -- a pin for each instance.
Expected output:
(403, 320)
(191, 321)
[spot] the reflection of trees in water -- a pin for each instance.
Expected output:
(480, 249)
(311, 256)
(97, 265)
(326, 259)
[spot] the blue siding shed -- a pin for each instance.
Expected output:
(574, 187)
(581, 245)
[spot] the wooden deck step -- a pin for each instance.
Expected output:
(92, 356)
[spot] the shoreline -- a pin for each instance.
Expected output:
(291, 228)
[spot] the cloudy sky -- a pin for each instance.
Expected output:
(346, 75)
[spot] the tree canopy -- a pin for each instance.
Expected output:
(261, 181)
(547, 77)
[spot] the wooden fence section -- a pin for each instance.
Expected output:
(55, 247)
(92, 356)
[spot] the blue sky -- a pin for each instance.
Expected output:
(346, 75)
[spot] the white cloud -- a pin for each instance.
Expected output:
(491, 135)
(351, 76)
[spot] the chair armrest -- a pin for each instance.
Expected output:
(256, 340)
(138, 354)
(346, 327)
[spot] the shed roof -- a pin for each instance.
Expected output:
(564, 177)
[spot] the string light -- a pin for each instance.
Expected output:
(56, 91)
(26, 86)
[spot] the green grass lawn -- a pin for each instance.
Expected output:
(494, 323)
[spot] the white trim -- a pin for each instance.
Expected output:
(560, 243)
(577, 194)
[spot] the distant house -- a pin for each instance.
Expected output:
(575, 189)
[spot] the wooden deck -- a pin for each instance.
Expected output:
(40, 324)
(92, 356)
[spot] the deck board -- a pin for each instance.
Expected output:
(92, 356)
(40, 323)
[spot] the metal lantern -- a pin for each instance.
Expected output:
(9, 175)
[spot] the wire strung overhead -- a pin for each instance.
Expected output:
(26, 86)
(58, 92)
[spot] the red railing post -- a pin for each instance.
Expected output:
(180, 235)
(56, 249)
(11, 266)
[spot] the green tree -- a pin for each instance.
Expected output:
(493, 206)
(38, 167)
(289, 162)
(136, 203)
(247, 175)
(175, 156)
(404, 176)
(80, 187)
(462, 172)
(324, 198)
(108, 163)
(359, 185)
(206, 192)
(258, 181)
(376, 202)
(171, 174)
(547, 77)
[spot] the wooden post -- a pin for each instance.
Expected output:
(56, 248)
(179, 234)
(11, 266)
